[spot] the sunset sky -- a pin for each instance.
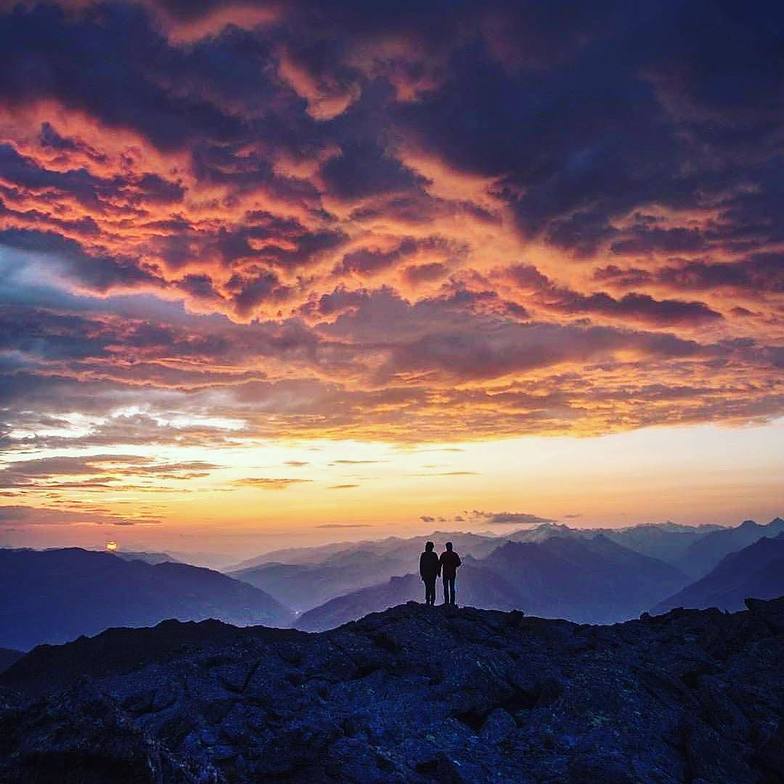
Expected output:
(291, 272)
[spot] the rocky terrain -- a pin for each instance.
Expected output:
(8, 656)
(413, 694)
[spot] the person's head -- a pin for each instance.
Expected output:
(429, 547)
(449, 546)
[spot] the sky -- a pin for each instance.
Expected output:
(281, 273)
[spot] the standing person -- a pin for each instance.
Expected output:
(449, 562)
(429, 569)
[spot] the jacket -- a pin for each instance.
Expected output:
(429, 566)
(450, 560)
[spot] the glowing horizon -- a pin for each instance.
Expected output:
(288, 275)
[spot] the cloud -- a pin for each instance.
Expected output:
(342, 487)
(510, 518)
(355, 462)
(632, 306)
(494, 518)
(450, 473)
(363, 169)
(511, 219)
(23, 516)
(268, 483)
(103, 470)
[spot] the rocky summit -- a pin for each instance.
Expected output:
(413, 694)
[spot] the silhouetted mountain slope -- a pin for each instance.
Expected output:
(663, 541)
(303, 586)
(577, 578)
(391, 547)
(56, 595)
(8, 656)
(331, 573)
(415, 695)
(584, 580)
(477, 588)
(706, 553)
(150, 558)
(757, 571)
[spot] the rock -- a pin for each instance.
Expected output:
(498, 726)
(410, 695)
(606, 768)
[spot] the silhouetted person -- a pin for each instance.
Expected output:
(449, 563)
(429, 569)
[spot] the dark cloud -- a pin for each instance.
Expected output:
(100, 273)
(511, 518)
(110, 63)
(632, 306)
(305, 226)
(363, 169)
(421, 273)
(760, 273)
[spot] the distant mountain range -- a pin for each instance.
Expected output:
(706, 552)
(755, 571)
(551, 570)
(57, 595)
(577, 578)
(150, 558)
(308, 577)
(395, 545)
(668, 541)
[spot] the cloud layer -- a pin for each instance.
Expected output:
(444, 221)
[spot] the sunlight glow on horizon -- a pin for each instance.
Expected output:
(288, 491)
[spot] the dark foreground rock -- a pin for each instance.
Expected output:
(414, 694)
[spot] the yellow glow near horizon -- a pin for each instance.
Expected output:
(278, 493)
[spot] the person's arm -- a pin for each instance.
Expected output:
(422, 566)
(457, 560)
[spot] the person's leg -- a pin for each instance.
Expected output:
(430, 591)
(452, 590)
(446, 590)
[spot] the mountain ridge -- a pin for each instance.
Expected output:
(414, 694)
(578, 578)
(59, 594)
(756, 570)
